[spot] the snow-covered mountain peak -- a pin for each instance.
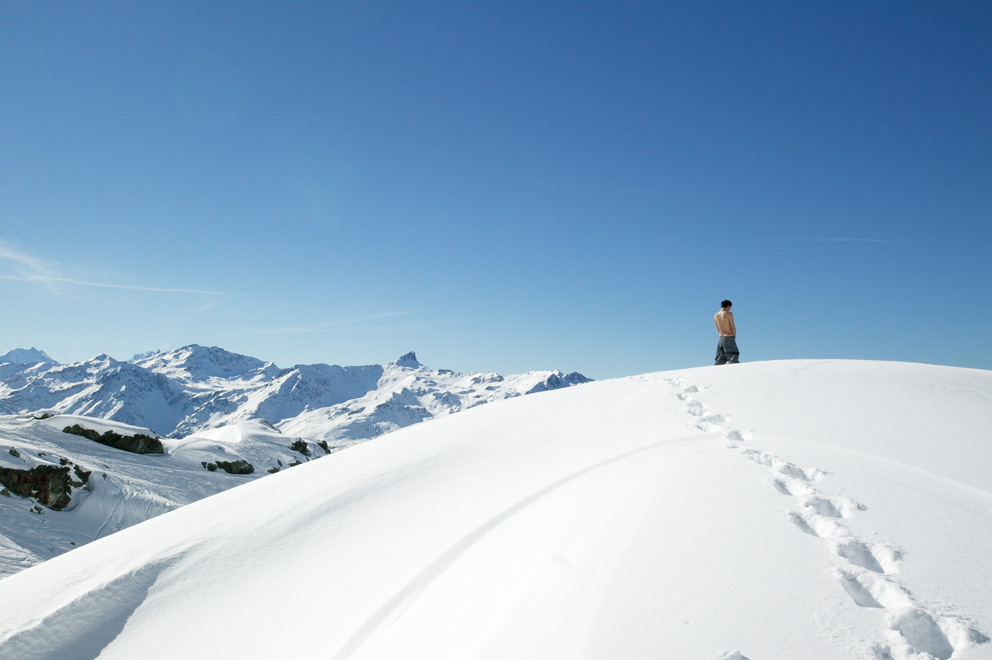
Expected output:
(195, 363)
(100, 362)
(26, 356)
(408, 360)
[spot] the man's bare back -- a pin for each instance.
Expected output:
(724, 320)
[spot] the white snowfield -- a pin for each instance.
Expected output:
(827, 510)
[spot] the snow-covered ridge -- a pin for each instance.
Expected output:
(200, 364)
(195, 388)
(832, 510)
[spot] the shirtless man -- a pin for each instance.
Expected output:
(726, 346)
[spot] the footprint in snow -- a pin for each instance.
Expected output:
(782, 487)
(737, 437)
(783, 467)
(922, 633)
(822, 506)
(694, 408)
(858, 554)
(870, 590)
(875, 557)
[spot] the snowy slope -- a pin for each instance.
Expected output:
(115, 489)
(829, 510)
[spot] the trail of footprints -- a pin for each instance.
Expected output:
(864, 569)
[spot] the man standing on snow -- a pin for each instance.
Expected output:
(726, 346)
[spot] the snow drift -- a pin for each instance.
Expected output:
(829, 510)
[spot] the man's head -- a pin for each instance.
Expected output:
(726, 304)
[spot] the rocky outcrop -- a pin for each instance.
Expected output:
(49, 484)
(240, 466)
(136, 444)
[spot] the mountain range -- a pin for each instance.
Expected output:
(91, 448)
(195, 388)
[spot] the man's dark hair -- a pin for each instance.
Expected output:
(726, 303)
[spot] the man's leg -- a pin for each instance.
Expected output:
(730, 348)
(721, 357)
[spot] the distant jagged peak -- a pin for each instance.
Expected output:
(408, 360)
(26, 356)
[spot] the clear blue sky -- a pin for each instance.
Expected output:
(500, 186)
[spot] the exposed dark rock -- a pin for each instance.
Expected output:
(300, 446)
(14, 452)
(83, 475)
(239, 466)
(48, 484)
(323, 445)
(136, 444)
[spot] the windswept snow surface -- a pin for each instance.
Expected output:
(782, 510)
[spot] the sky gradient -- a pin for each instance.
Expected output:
(498, 186)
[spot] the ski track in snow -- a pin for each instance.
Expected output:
(865, 570)
(405, 597)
